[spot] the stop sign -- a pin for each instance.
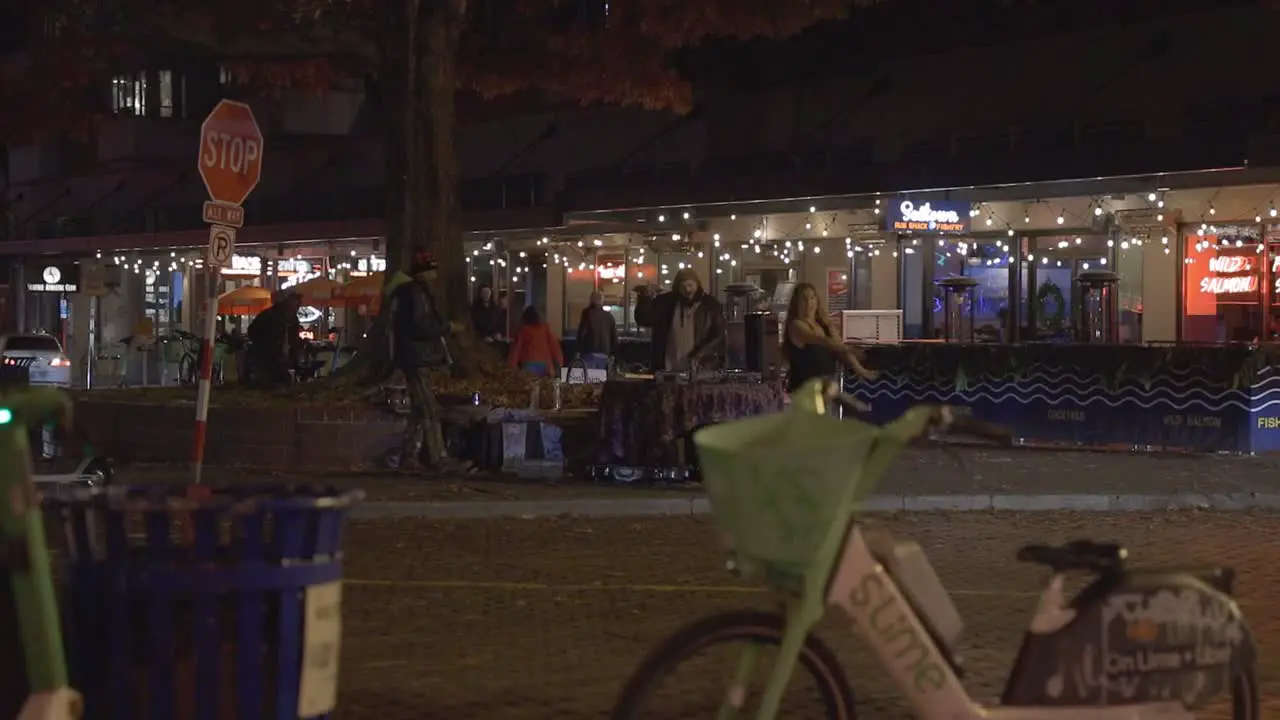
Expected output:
(230, 158)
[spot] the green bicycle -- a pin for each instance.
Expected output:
(1133, 645)
(26, 583)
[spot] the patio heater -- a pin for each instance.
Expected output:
(1099, 316)
(960, 304)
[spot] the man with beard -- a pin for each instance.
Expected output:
(688, 325)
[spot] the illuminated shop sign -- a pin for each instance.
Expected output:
(57, 279)
(244, 265)
(928, 217)
(1231, 274)
(611, 272)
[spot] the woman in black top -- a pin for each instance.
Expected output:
(811, 349)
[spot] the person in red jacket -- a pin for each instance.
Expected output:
(536, 349)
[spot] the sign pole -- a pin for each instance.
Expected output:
(230, 163)
(213, 274)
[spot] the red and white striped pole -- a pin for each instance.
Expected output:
(206, 367)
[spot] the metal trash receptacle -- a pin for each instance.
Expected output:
(216, 609)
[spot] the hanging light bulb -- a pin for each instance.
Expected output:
(1026, 216)
(989, 221)
(1212, 209)
(1097, 210)
(1062, 217)
(1151, 197)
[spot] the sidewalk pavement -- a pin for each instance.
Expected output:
(959, 479)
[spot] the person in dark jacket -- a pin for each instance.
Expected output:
(487, 318)
(688, 325)
(273, 335)
(418, 333)
(597, 334)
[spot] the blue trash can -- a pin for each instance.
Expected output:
(227, 608)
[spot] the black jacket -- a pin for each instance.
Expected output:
(597, 332)
(488, 320)
(417, 329)
(658, 312)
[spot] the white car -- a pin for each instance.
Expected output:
(49, 365)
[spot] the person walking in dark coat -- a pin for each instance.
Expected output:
(418, 333)
(488, 319)
(597, 334)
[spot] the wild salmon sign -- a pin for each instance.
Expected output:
(929, 217)
(1231, 275)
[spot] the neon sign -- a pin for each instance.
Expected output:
(929, 217)
(1240, 272)
(611, 272)
(1229, 285)
(1230, 264)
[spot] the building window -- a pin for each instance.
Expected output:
(129, 94)
(1223, 274)
(1129, 254)
(166, 93)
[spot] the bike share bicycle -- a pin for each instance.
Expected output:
(26, 582)
(1132, 645)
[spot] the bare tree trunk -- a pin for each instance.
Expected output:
(420, 81)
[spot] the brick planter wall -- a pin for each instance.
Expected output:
(316, 437)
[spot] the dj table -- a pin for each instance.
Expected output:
(645, 423)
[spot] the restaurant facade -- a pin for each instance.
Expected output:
(1193, 265)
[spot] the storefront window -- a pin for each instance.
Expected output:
(1052, 266)
(670, 263)
(860, 290)
(1223, 274)
(1129, 289)
(910, 284)
(579, 283)
(986, 261)
(528, 282)
(611, 281)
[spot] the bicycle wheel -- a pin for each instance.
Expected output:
(828, 697)
(187, 370)
(1244, 696)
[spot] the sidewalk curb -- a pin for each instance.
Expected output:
(648, 507)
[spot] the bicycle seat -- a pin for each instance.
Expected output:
(1076, 555)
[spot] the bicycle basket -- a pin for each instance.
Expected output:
(777, 483)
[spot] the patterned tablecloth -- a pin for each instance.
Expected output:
(641, 421)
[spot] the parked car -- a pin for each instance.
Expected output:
(49, 365)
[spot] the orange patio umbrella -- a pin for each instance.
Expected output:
(247, 300)
(362, 291)
(318, 291)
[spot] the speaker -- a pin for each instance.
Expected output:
(754, 332)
